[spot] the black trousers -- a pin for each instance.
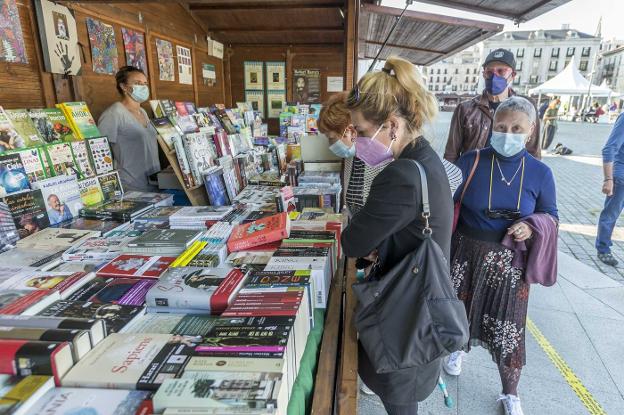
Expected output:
(411, 409)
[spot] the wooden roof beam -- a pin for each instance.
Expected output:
(412, 48)
(268, 5)
(273, 30)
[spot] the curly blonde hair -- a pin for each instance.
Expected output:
(397, 89)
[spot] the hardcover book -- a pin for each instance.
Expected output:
(30, 357)
(80, 118)
(62, 197)
(194, 325)
(115, 210)
(13, 176)
(95, 327)
(28, 210)
(260, 232)
(124, 291)
(33, 164)
(24, 392)
(166, 238)
(60, 159)
(68, 401)
(202, 289)
(79, 339)
(90, 191)
(83, 161)
(56, 239)
(8, 231)
(215, 187)
(43, 124)
(25, 127)
(9, 138)
(61, 128)
(115, 316)
(110, 184)
(166, 130)
(131, 361)
(100, 154)
(26, 302)
(199, 153)
(140, 266)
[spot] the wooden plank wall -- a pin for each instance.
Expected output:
(27, 86)
(329, 59)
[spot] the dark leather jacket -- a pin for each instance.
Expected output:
(471, 124)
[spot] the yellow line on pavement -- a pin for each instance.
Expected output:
(568, 374)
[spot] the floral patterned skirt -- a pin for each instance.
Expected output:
(495, 295)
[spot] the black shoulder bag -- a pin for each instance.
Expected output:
(411, 316)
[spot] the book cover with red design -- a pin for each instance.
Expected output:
(136, 266)
(260, 232)
(30, 357)
(26, 302)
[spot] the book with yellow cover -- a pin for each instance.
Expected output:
(80, 118)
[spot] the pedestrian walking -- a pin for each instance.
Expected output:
(505, 240)
(550, 123)
(471, 125)
(613, 188)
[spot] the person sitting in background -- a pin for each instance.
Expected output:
(132, 136)
(505, 240)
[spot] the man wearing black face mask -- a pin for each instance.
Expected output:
(471, 125)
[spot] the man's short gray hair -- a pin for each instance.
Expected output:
(519, 104)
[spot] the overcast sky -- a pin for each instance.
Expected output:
(582, 15)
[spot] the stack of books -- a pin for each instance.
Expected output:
(170, 242)
(196, 217)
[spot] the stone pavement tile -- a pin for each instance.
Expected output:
(585, 304)
(607, 336)
(612, 403)
(613, 297)
(582, 275)
(479, 388)
(570, 340)
(538, 365)
(549, 298)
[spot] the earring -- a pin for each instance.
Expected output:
(393, 135)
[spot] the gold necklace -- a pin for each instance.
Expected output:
(503, 178)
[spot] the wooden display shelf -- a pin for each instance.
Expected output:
(196, 194)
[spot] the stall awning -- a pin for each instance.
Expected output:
(421, 38)
(516, 10)
(571, 82)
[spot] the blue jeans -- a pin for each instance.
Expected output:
(608, 217)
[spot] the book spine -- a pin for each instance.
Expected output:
(236, 349)
(226, 291)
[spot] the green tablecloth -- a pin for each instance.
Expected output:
(301, 394)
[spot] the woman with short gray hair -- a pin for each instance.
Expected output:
(506, 239)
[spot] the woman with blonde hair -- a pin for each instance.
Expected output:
(388, 110)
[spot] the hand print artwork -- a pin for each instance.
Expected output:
(103, 47)
(59, 38)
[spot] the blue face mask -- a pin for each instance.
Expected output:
(140, 93)
(496, 85)
(508, 144)
(341, 150)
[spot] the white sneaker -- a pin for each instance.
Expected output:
(452, 364)
(511, 404)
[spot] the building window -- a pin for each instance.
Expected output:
(444, 80)
(430, 87)
(534, 79)
(519, 66)
(456, 71)
(537, 53)
(585, 52)
(570, 52)
(467, 79)
(474, 79)
(567, 62)
(438, 71)
(454, 88)
(445, 71)
(437, 79)
(516, 80)
(554, 53)
(553, 66)
(474, 71)
(431, 79)
(583, 66)
(437, 88)
(520, 53)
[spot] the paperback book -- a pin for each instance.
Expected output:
(100, 154)
(25, 127)
(13, 176)
(215, 187)
(90, 191)
(8, 231)
(199, 153)
(115, 209)
(60, 127)
(62, 196)
(33, 164)
(166, 130)
(60, 159)
(83, 161)
(92, 401)
(260, 232)
(110, 184)
(9, 138)
(28, 210)
(80, 118)
(139, 266)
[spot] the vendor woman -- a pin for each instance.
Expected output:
(132, 137)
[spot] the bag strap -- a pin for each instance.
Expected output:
(470, 176)
(426, 208)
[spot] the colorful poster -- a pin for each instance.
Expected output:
(209, 74)
(185, 65)
(275, 102)
(59, 38)
(254, 76)
(11, 40)
(307, 86)
(256, 100)
(164, 50)
(103, 47)
(276, 76)
(134, 45)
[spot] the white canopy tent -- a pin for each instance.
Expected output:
(571, 82)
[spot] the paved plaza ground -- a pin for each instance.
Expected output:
(574, 344)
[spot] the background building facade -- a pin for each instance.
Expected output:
(458, 74)
(542, 54)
